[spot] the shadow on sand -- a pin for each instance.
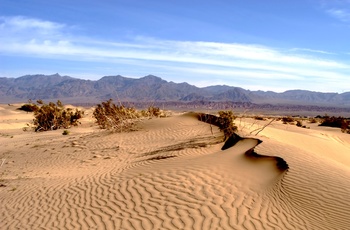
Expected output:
(281, 164)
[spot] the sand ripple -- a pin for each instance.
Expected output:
(171, 174)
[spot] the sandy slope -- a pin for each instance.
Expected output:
(171, 174)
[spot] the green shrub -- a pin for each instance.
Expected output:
(54, 116)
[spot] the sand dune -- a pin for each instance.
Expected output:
(172, 174)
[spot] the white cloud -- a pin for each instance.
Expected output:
(338, 9)
(21, 22)
(341, 14)
(311, 51)
(30, 37)
(24, 26)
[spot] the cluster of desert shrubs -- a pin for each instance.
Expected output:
(330, 121)
(120, 117)
(52, 116)
(287, 120)
(111, 116)
(151, 112)
(337, 122)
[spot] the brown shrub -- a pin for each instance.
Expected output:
(54, 116)
(151, 112)
(111, 116)
(226, 123)
(287, 120)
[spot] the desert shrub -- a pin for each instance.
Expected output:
(54, 116)
(65, 132)
(226, 123)
(299, 123)
(29, 107)
(259, 118)
(111, 116)
(313, 120)
(337, 122)
(151, 112)
(287, 120)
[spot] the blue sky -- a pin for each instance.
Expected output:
(257, 45)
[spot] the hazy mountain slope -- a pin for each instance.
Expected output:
(150, 88)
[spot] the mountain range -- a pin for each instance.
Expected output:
(150, 89)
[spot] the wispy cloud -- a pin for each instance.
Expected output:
(20, 22)
(311, 51)
(20, 25)
(341, 14)
(22, 36)
(338, 9)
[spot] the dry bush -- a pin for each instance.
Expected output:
(120, 117)
(114, 117)
(336, 122)
(151, 112)
(54, 116)
(287, 120)
(259, 118)
(65, 132)
(313, 120)
(226, 123)
(29, 107)
(299, 123)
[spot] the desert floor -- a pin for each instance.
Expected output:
(170, 173)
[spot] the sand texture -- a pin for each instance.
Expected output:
(170, 173)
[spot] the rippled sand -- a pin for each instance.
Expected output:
(172, 174)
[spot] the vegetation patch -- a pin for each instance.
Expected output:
(151, 112)
(224, 121)
(54, 116)
(287, 120)
(336, 122)
(119, 117)
(259, 118)
(65, 132)
(29, 107)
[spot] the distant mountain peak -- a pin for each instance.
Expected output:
(152, 78)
